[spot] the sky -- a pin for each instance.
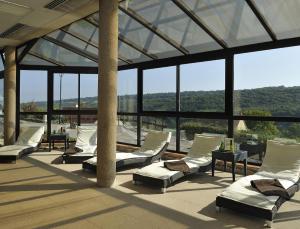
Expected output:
(252, 70)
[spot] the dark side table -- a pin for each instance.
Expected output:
(240, 155)
(59, 137)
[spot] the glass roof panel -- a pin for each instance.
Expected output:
(173, 22)
(73, 41)
(51, 51)
(32, 60)
(282, 16)
(131, 54)
(85, 30)
(232, 20)
(144, 38)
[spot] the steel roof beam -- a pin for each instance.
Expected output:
(262, 19)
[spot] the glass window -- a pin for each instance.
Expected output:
(127, 91)
(33, 91)
(37, 120)
(267, 83)
(66, 122)
(166, 124)
(202, 87)
(65, 91)
(87, 120)
(127, 129)
(189, 127)
(88, 91)
(159, 88)
(253, 135)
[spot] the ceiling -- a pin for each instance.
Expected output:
(23, 20)
(149, 30)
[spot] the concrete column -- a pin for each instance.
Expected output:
(10, 79)
(107, 92)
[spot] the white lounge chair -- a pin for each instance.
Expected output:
(154, 146)
(85, 146)
(27, 142)
(282, 162)
(198, 160)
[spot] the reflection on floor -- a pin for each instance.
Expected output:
(37, 194)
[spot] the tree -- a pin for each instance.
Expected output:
(29, 107)
(264, 129)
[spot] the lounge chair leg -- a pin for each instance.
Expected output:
(163, 190)
(269, 223)
(218, 209)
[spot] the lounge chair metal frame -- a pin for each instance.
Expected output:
(165, 183)
(268, 215)
(131, 162)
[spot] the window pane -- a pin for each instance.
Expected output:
(87, 120)
(165, 124)
(88, 91)
(189, 127)
(253, 135)
(202, 86)
(127, 91)
(159, 87)
(65, 91)
(33, 91)
(267, 83)
(1, 64)
(67, 122)
(127, 129)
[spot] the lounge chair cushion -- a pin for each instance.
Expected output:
(241, 191)
(282, 161)
(203, 145)
(86, 138)
(154, 141)
(157, 170)
(13, 150)
(121, 156)
(30, 136)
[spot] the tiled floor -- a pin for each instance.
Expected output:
(37, 194)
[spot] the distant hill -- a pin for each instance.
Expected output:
(280, 101)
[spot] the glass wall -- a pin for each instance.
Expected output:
(127, 129)
(266, 84)
(191, 126)
(65, 91)
(88, 91)
(165, 124)
(127, 91)
(33, 91)
(159, 88)
(202, 87)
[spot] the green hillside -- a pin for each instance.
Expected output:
(279, 101)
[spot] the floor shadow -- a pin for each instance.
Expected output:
(28, 179)
(8, 169)
(181, 217)
(287, 216)
(57, 161)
